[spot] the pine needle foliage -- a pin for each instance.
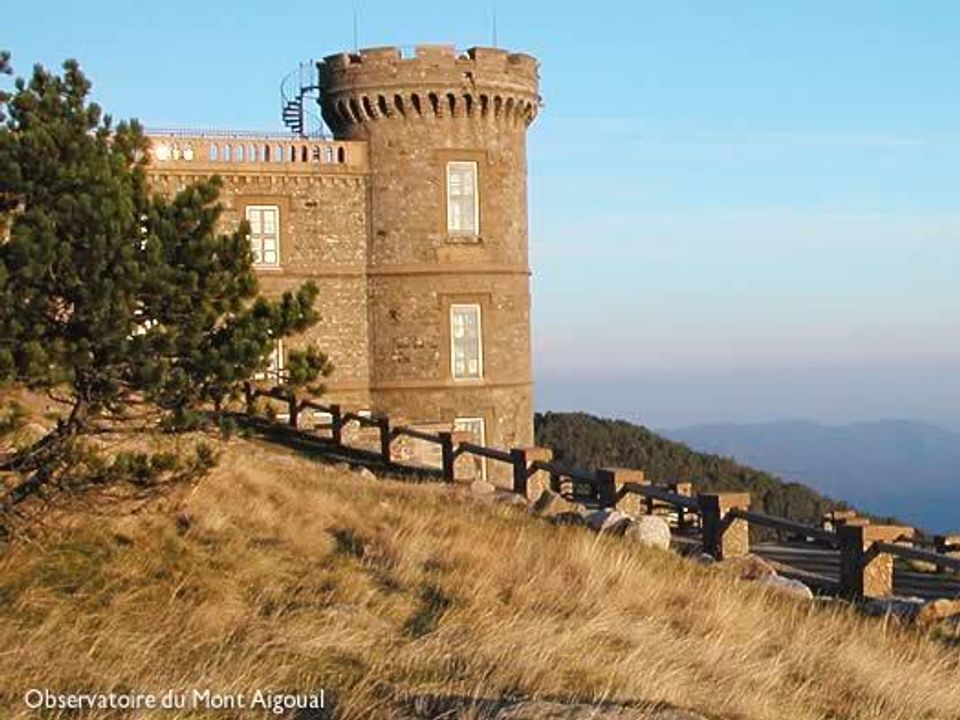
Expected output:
(112, 297)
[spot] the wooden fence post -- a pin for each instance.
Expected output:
(528, 482)
(336, 424)
(610, 480)
(864, 573)
(944, 544)
(383, 424)
(447, 457)
(293, 410)
(724, 537)
(250, 397)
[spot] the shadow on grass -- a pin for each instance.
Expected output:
(434, 602)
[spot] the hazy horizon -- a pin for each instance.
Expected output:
(667, 399)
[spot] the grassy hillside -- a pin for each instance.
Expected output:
(585, 441)
(278, 573)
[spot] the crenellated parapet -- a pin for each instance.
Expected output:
(377, 84)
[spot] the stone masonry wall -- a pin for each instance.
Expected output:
(323, 237)
(417, 114)
(365, 217)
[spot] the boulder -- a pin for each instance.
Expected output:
(705, 559)
(607, 520)
(550, 503)
(649, 531)
(937, 610)
(366, 474)
(482, 487)
(786, 586)
(748, 567)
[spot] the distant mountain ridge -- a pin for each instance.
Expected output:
(890, 467)
(584, 441)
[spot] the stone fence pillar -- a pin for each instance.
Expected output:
(862, 573)
(685, 489)
(528, 482)
(724, 537)
(611, 480)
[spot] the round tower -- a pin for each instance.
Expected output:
(448, 273)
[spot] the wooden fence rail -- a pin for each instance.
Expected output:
(911, 553)
(866, 551)
(777, 523)
(491, 453)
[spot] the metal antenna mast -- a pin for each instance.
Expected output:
(356, 32)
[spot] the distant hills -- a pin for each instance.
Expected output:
(896, 467)
(584, 441)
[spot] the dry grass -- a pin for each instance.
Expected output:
(298, 576)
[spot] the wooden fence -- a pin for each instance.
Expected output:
(866, 551)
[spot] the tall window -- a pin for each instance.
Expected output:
(475, 427)
(466, 351)
(264, 234)
(463, 209)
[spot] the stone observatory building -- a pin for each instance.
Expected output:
(412, 221)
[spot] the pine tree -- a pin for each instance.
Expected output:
(109, 295)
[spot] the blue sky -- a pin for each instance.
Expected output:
(723, 195)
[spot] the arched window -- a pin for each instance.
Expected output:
(341, 155)
(212, 152)
(226, 153)
(293, 153)
(266, 153)
(304, 153)
(315, 154)
(252, 155)
(327, 154)
(277, 153)
(239, 153)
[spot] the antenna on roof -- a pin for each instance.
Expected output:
(356, 33)
(494, 23)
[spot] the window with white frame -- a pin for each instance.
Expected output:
(474, 426)
(466, 345)
(463, 207)
(264, 234)
(274, 371)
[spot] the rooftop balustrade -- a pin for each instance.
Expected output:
(263, 152)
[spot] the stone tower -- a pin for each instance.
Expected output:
(448, 298)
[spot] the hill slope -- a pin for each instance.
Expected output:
(910, 466)
(279, 573)
(585, 441)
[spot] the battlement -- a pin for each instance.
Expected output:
(432, 81)
(491, 59)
